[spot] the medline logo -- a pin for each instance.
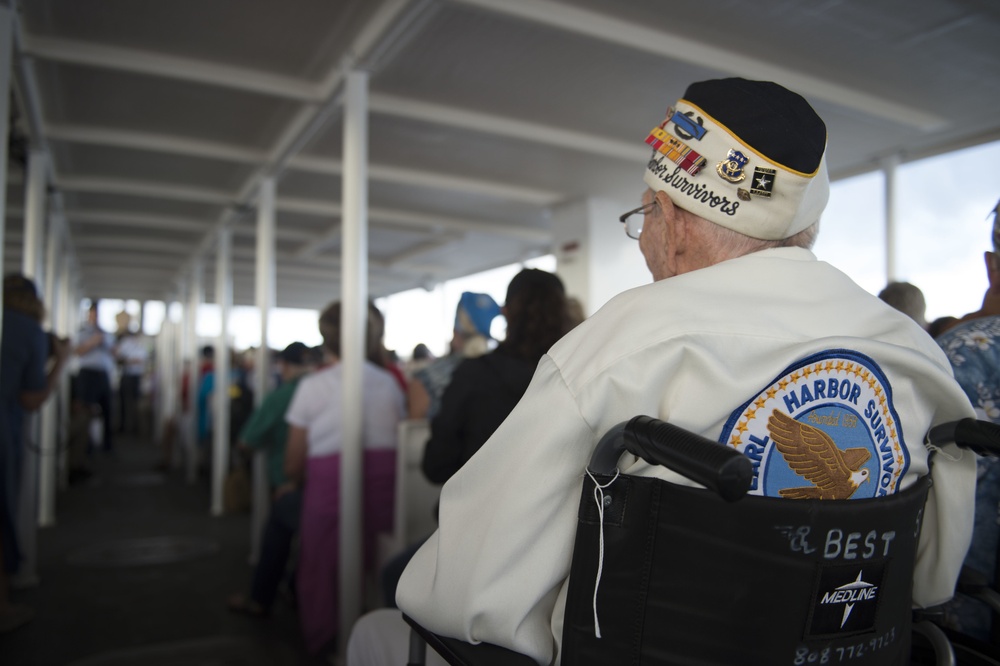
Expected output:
(850, 594)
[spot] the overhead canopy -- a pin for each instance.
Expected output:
(161, 118)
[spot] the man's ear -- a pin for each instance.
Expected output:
(992, 260)
(676, 223)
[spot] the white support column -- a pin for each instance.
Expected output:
(889, 166)
(63, 328)
(180, 358)
(6, 42)
(34, 216)
(354, 312)
(173, 389)
(49, 436)
(166, 354)
(220, 412)
(190, 420)
(265, 295)
(180, 347)
(160, 371)
(594, 257)
(34, 233)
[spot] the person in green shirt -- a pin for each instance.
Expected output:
(267, 431)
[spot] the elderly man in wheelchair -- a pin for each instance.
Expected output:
(823, 394)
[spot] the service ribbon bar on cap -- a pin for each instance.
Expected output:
(766, 149)
(676, 151)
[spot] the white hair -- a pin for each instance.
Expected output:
(729, 244)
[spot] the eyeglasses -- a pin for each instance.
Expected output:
(633, 221)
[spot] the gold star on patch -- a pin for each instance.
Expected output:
(735, 441)
(892, 434)
(849, 368)
(881, 400)
(888, 421)
(742, 427)
(782, 384)
(751, 413)
(795, 377)
(818, 367)
(806, 372)
(760, 402)
(840, 366)
(771, 392)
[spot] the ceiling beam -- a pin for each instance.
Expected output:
(402, 259)
(160, 143)
(401, 218)
(121, 257)
(676, 46)
(179, 145)
(136, 220)
(129, 273)
(413, 177)
(112, 241)
(478, 121)
(439, 222)
(140, 188)
(150, 63)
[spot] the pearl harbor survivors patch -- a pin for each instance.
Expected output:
(825, 428)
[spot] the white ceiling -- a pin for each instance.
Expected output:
(161, 118)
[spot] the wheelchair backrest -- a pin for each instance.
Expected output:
(688, 578)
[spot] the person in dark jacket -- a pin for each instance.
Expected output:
(484, 390)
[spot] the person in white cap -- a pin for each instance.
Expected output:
(741, 322)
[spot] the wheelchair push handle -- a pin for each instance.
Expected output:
(982, 437)
(719, 468)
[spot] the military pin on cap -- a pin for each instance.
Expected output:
(731, 168)
(763, 182)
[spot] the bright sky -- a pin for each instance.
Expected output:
(943, 216)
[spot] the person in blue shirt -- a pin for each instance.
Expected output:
(94, 350)
(25, 383)
(972, 345)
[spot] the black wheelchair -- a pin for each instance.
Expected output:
(713, 576)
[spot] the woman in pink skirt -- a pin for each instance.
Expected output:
(312, 457)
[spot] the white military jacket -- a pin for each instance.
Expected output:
(716, 351)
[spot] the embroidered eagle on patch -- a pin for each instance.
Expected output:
(812, 454)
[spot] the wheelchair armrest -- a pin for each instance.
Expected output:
(719, 468)
(460, 653)
(983, 437)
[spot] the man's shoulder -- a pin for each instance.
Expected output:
(753, 298)
(974, 342)
(18, 323)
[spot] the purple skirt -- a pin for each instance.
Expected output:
(319, 557)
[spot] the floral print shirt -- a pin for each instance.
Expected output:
(974, 351)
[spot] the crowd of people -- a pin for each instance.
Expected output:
(737, 313)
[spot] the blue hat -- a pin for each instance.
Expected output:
(478, 310)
